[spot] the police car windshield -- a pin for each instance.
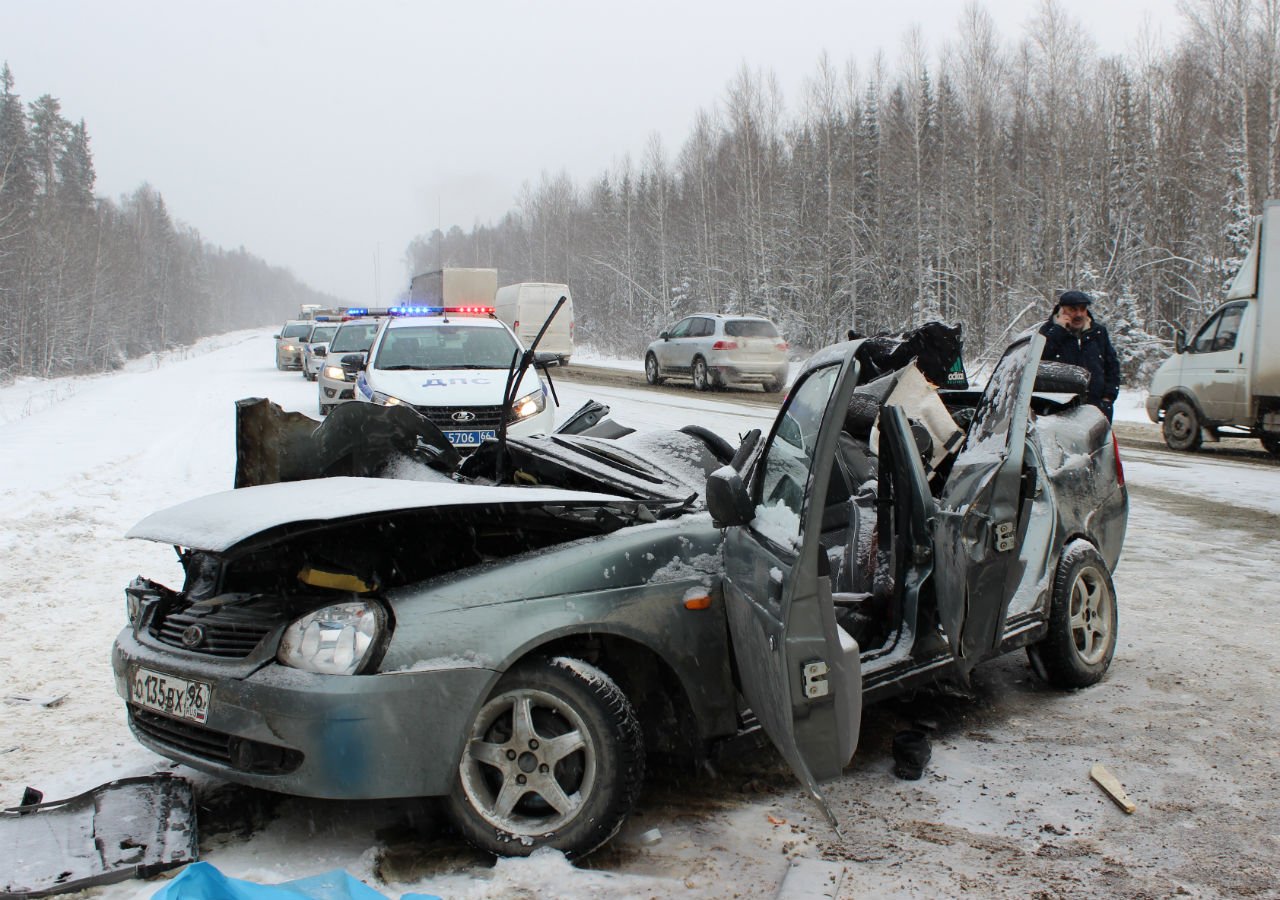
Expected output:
(353, 337)
(321, 333)
(446, 347)
(296, 330)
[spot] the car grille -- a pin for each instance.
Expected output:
(215, 746)
(228, 630)
(486, 417)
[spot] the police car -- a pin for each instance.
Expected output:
(336, 381)
(450, 364)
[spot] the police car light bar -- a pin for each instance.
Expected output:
(441, 310)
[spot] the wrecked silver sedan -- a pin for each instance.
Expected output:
(517, 630)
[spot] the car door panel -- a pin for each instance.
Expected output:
(798, 670)
(977, 530)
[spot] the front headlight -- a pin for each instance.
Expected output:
(336, 640)
(335, 373)
(529, 405)
(386, 399)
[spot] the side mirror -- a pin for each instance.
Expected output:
(546, 358)
(1180, 341)
(319, 351)
(664, 335)
(727, 498)
(276, 336)
(352, 363)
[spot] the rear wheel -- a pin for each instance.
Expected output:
(772, 386)
(1182, 429)
(554, 758)
(1271, 443)
(1083, 621)
(651, 372)
(701, 377)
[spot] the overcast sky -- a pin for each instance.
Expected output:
(323, 136)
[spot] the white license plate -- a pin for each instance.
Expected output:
(469, 438)
(170, 695)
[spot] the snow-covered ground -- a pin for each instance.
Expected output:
(1187, 717)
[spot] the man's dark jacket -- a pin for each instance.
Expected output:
(1090, 349)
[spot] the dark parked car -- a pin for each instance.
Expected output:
(517, 630)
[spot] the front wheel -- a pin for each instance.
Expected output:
(1083, 621)
(554, 758)
(652, 373)
(1182, 426)
(701, 377)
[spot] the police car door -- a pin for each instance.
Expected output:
(977, 535)
(798, 670)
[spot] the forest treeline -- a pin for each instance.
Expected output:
(85, 282)
(970, 185)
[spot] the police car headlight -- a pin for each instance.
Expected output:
(529, 405)
(386, 399)
(335, 373)
(335, 640)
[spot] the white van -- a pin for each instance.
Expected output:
(524, 307)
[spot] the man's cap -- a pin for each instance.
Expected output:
(1074, 298)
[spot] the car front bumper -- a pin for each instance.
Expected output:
(366, 737)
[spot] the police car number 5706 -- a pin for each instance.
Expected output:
(172, 696)
(469, 438)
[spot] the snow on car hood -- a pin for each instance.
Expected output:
(448, 387)
(220, 521)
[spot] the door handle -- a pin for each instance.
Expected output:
(1222, 371)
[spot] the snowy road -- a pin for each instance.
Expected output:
(1187, 718)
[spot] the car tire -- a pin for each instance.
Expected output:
(560, 724)
(652, 373)
(772, 386)
(1062, 378)
(1181, 428)
(1271, 443)
(1083, 621)
(325, 409)
(701, 376)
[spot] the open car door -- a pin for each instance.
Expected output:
(978, 528)
(798, 669)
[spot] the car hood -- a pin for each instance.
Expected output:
(220, 521)
(449, 387)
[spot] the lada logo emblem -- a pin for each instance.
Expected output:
(464, 415)
(192, 636)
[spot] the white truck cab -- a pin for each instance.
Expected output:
(450, 364)
(525, 308)
(1226, 379)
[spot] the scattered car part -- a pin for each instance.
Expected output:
(131, 828)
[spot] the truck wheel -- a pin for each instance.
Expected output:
(1083, 622)
(701, 377)
(554, 758)
(1182, 426)
(652, 373)
(1271, 442)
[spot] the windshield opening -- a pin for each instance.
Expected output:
(446, 347)
(321, 333)
(293, 331)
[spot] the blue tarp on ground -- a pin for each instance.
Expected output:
(201, 881)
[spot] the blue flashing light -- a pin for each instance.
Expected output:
(357, 311)
(416, 310)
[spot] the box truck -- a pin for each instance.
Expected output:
(454, 287)
(1226, 379)
(524, 307)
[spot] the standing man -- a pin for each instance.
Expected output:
(1072, 336)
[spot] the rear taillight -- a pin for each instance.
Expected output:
(515, 326)
(1115, 445)
(782, 345)
(725, 345)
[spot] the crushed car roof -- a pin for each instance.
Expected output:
(219, 521)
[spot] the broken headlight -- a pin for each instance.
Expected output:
(335, 640)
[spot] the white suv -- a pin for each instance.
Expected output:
(715, 350)
(451, 364)
(337, 382)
